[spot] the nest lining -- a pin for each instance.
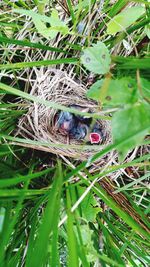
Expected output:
(38, 124)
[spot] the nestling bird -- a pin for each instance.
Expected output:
(96, 135)
(79, 131)
(65, 122)
(83, 118)
(78, 127)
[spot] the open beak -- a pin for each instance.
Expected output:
(95, 138)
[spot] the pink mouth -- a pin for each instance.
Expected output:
(95, 138)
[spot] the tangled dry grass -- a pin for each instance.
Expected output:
(39, 123)
(50, 84)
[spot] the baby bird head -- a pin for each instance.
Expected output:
(65, 121)
(79, 131)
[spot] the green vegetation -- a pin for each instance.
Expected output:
(58, 211)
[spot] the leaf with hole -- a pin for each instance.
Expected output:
(131, 125)
(124, 19)
(56, 25)
(96, 58)
(114, 92)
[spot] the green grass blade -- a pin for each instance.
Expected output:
(23, 65)
(126, 217)
(49, 104)
(69, 3)
(46, 226)
(54, 241)
(4, 150)
(81, 247)
(111, 246)
(6, 40)
(72, 242)
(131, 62)
(10, 223)
(13, 181)
(127, 187)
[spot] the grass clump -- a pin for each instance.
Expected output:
(59, 208)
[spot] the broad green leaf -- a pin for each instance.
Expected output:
(41, 28)
(131, 125)
(145, 86)
(124, 19)
(90, 208)
(96, 58)
(114, 92)
(56, 25)
(41, 5)
(95, 90)
(33, 15)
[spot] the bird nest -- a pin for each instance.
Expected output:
(38, 124)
